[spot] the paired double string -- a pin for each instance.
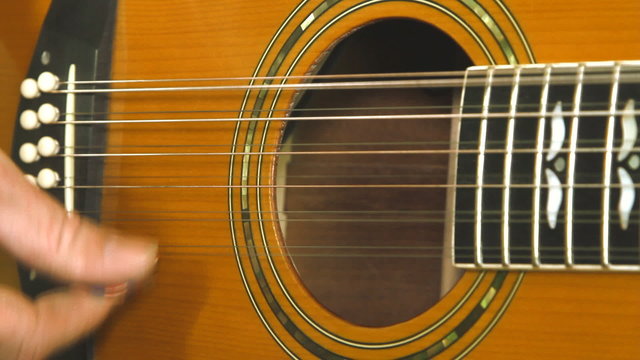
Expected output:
(440, 80)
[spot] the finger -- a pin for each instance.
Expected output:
(32, 330)
(37, 230)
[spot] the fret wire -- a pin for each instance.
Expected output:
(480, 170)
(606, 181)
(506, 192)
(571, 165)
(455, 139)
(535, 236)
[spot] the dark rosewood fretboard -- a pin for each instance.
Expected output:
(547, 168)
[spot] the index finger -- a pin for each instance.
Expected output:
(38, 231)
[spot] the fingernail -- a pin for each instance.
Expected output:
(110, 291)
(136, 256)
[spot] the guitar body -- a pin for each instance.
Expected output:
(217, 293)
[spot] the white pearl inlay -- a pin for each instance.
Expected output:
(629, 130)
(48, 146)
(29, 120)
(554, 197)
(557, 131)
(28, 153)
(634, 162)
(48, 178)
(627, 197)
(559, 164)
(48, 113)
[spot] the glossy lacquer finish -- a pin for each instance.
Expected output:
(217, 293)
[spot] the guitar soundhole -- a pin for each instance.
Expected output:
(373, 256)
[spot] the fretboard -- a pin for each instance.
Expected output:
(547, 168)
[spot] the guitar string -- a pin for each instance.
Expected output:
(621, 252)
(346, 186)
(596, 150)
(594, 259)
(425, 248)
(368, 255)
(334, 144)
(499, 71)
(281, 77)
(375, 166)
(385, 247)
(471, 80)
(533, 115)
(334, 212)
(453, 107)
(469, 220)
(109, 220)
(619, 258)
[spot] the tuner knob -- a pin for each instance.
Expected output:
(48, 146)
(29, 89)
(29, 120)
(48, 82)
(28, 153)
(47, 178)
(48, 113)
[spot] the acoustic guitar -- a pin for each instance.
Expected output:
(365, 179)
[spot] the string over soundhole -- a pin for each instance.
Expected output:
(365, 232)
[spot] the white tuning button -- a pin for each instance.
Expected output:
(48, 146)
(29, 120)
(48, 113)
(31, 179)
(48, 178)
(48, 82)
(29, 89)
(28, 153)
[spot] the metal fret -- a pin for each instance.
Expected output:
(453, 195)
(606, 181)
(508, 158)
(571, 165)
(535, 233)
(482, 143)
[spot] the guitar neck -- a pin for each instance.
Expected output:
(547, 168)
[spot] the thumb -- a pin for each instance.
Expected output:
(38, 231)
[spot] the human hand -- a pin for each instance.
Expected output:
(99, 263)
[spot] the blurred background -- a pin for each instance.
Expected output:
(20, 23)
